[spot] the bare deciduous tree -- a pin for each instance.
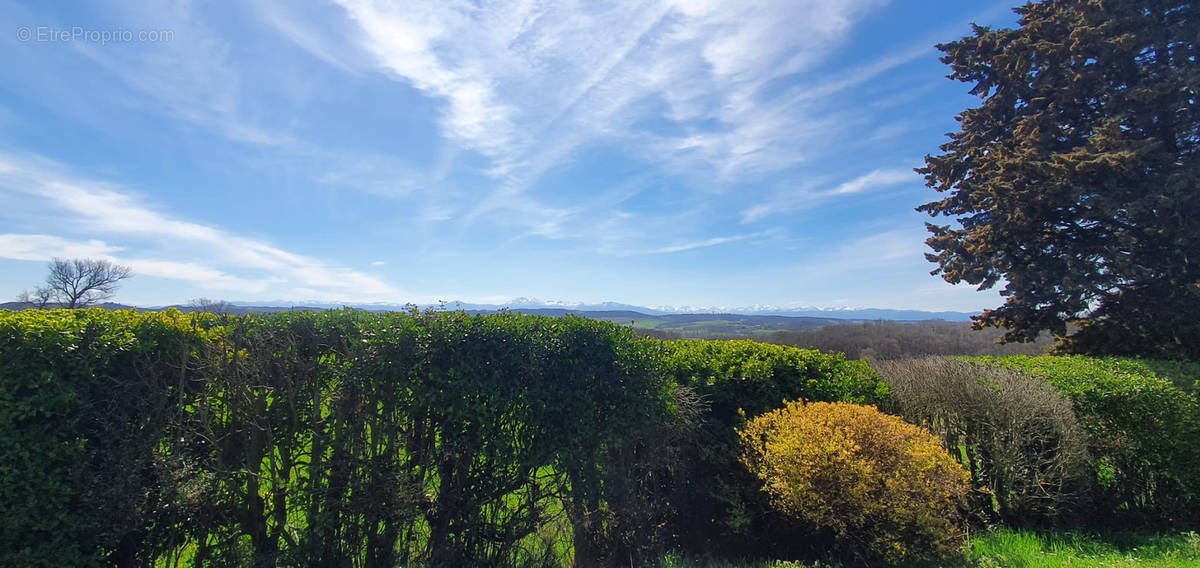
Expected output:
(39, 297)
(210, 306)
(81, 282)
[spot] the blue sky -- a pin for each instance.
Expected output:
(658, 153)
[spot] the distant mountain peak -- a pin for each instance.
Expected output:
(529, 304)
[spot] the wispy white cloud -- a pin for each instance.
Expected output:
(862, 266)
(528, 83)
(875, 252)
(878, 253)
(40, 247)
(763, 133)
(303, 31)
(197, 79)
(199, 274)
(699, 244)
(735, 111)
(190, 78)
(367, 172)
(805, 197)
(873, 180)
(401, 37)
(891, 130)
(103, 208)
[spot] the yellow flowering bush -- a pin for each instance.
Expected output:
(885, 488)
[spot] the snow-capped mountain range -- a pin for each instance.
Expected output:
(522, 303)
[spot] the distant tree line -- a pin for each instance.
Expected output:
(885, 340)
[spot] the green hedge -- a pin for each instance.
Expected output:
(721, 508)
(85, 398)
(1144, 432)
(441, 438)
(352, 438)
(331, 438)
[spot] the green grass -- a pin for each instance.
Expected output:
(675, 561)
(1007, 548)
(643, 324)
(1027, 549)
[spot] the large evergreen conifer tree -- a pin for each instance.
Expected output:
(1076, 183)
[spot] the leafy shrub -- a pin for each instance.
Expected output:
(719, 506)
(333, 438)
(1017, 435)
(85, 397)
(885, 488)
(1185, 375)
(1144, 434)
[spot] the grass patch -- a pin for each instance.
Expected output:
(1028, 549)
(644, 324)
(1008, 548)
(676, 561)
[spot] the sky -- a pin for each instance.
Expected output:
(656, 153)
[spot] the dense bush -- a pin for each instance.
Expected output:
(1017, 435)
(887, 489)
(720, 509)
(1185, 375)
(331, 438)
(1144, 434)
(85, 399)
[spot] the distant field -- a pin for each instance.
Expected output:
(877, 340)
(858, 339)
(705, 326)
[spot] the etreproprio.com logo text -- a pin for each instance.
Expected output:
(51, 34)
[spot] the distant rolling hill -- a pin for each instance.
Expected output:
(694, 325)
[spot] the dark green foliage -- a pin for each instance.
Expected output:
(1144, 435)
(85, 398)
(721, 509)
(1076, 182)
(345, 438)
(330, 439)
